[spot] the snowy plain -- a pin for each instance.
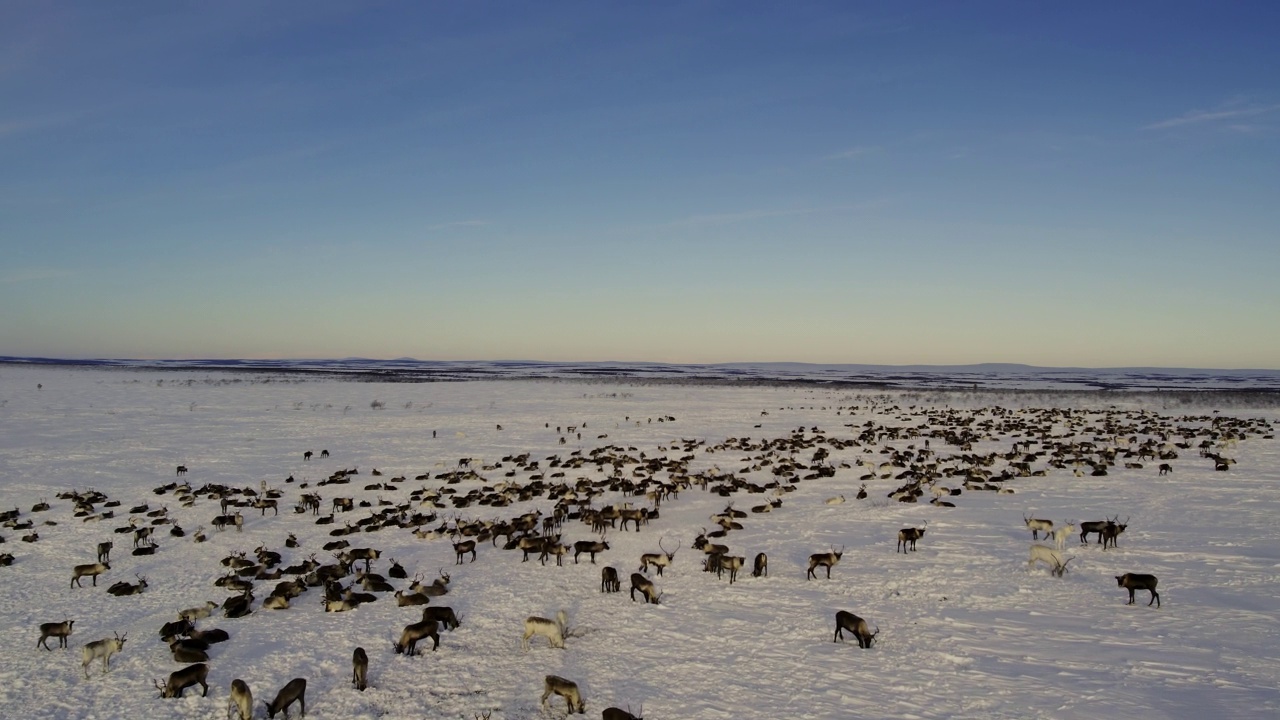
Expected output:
(967, 629)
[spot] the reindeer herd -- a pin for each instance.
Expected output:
(348, 581)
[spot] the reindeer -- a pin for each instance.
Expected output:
(92, 570)
(839, 500)
(437, 588)
(553, 630)
(104, 551)
(411, 599)
(827, 560)
(408, 644)
(60, 630)
(199, 612)
(104, 649)
(910, 536)
(634, 515)
(188, 653)
(180, 680)
(295, 689)
(464, 547)
(360, 669)
(443, 615)
(614, 713)
(588, 546)
(122, 588)
(1095, 526)
(658, 560)
(760, 566)
(857, 626)
(1037, 526)
(731, 564)
(1112, 531)
(241, 700)
(1062, 533)
(181, 626)
(646, 588)
(1137, 581)
(609, 582)
(566, 689)
(1049, 556)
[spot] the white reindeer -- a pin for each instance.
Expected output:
(104, 649)
(1061, 534)
(1049, 556)
(553, 630)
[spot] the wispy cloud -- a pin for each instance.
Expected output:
(853, 153)
(457, 224)
(34, 275)
(1203, 117)
(749, 215)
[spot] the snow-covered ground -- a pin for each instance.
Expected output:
(966, 629)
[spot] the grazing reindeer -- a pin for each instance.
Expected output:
(1136, 581)
(760, 566)
(658, 560)
(646, 588)
(857, 626)
(408, 644)
(180, 680)
(1037, 526)
(104, 649)
(360, 669)
(443, 615)
(827, 560)
(181, 470)
(104, 551)
(241, 700)
(553, 630)
(1050, 557)
(614, 713)
(835, 500)
(910, 536)
(609, 582)
(567, 689)
(60, 630)
(92, 570)
(295, 689)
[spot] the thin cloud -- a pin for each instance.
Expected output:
(749, 215)
(34, 275)
(853, 153)
(458, 224)
(1202, 117)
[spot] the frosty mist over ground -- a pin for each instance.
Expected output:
(966, 628)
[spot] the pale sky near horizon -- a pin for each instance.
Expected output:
(1083, 184)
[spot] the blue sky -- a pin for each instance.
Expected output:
(1085, 184)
